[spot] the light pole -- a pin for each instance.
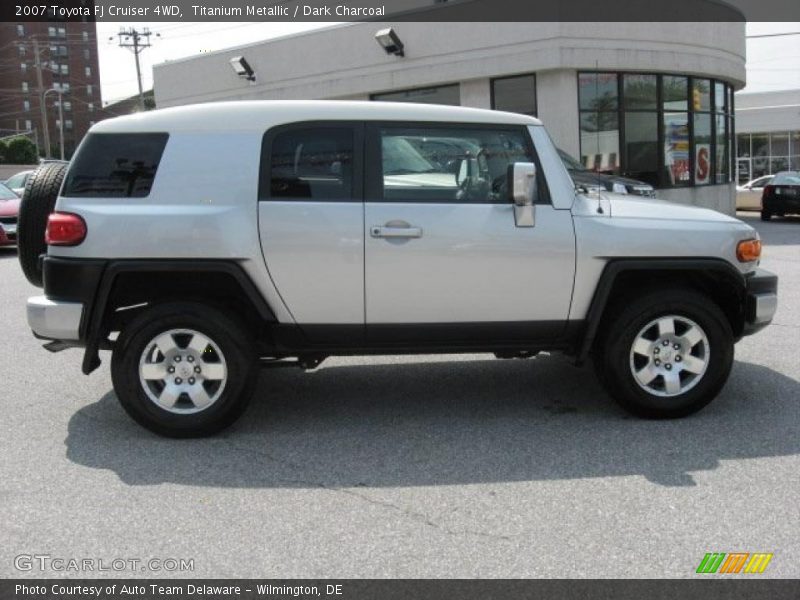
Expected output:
(60, 116)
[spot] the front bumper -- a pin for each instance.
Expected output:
(53, 319)
(761, 300)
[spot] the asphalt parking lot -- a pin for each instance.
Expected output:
(453, 466)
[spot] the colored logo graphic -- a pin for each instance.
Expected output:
(734, 562)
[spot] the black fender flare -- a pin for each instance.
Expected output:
(92, 323)
(615, 267)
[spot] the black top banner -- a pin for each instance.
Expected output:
(401, 10)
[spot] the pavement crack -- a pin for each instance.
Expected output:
(414, 515)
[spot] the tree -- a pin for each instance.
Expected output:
(20, 151)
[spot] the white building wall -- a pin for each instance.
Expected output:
(557, 103)
(476, 93)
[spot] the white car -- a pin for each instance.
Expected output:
(748, 196)
(200, 242)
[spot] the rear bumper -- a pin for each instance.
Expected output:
(53, 319)
(761, 300)
(782, 204)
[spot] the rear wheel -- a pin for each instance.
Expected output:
(666, 354)
(765, 215)
(184, 370)
(38, 201)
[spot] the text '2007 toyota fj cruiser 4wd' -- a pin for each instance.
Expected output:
(197, 242)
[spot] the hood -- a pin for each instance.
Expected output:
(9, 208)
(602, 180)
(625, 206)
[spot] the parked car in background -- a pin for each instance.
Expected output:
(9, 212)
(782, 196)
(748, 195)
(590, 180)
(17, 182)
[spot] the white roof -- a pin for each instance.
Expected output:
(262, 114)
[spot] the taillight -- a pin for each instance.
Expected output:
(768, 189)
(64, 229)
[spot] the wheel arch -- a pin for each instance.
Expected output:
(716, 278)
(128, 285)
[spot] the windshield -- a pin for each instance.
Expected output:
(792, 178)
(571, 163)
(6, 194)
(18, 180)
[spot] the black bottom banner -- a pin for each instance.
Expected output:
(391, 589)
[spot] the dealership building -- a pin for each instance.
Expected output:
(768, 133)
(653, 101)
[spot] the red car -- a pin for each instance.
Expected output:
(9, 210)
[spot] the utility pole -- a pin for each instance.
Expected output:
(136, 41)
(45, 128)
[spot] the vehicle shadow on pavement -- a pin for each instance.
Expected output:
(445, 423)
(8, 253)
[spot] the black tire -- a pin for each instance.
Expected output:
(622, 324)
(38, 201)
(230, 337)
(765, 215)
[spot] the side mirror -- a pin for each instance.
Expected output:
(521, 178)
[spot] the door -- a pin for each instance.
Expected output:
(444, 258)
(311, 222)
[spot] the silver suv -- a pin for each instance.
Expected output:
(198, 243)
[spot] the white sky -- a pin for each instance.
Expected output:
(772, 63)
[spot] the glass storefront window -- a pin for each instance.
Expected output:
(701, 94)
(702, 149)
(779, 144)
(598, 91)
(759, 145)
(676, 93)
(443, 94)
(668, 130)
(719, 97)
(676, 149)
(779, 163)
(721, 175)
(600, 141)
(796, 142)
(515, 94)
(640, 92)
(641, 146)
(743, 145)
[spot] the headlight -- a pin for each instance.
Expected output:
(619, 188)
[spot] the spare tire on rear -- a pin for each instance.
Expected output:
(38, 202)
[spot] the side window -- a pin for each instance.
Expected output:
(314, 163)
(462, 165)
(115, 165)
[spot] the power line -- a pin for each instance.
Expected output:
(767, 35)
(136, 41)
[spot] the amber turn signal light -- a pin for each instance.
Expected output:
(748, 250)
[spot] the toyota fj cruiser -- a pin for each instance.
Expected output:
(199, 242)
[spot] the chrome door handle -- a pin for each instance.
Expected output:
(377, 231)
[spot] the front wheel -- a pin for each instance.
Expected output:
(184, 370)
(666, 354)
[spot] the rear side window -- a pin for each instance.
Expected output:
(115, 165)
(312, 163)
